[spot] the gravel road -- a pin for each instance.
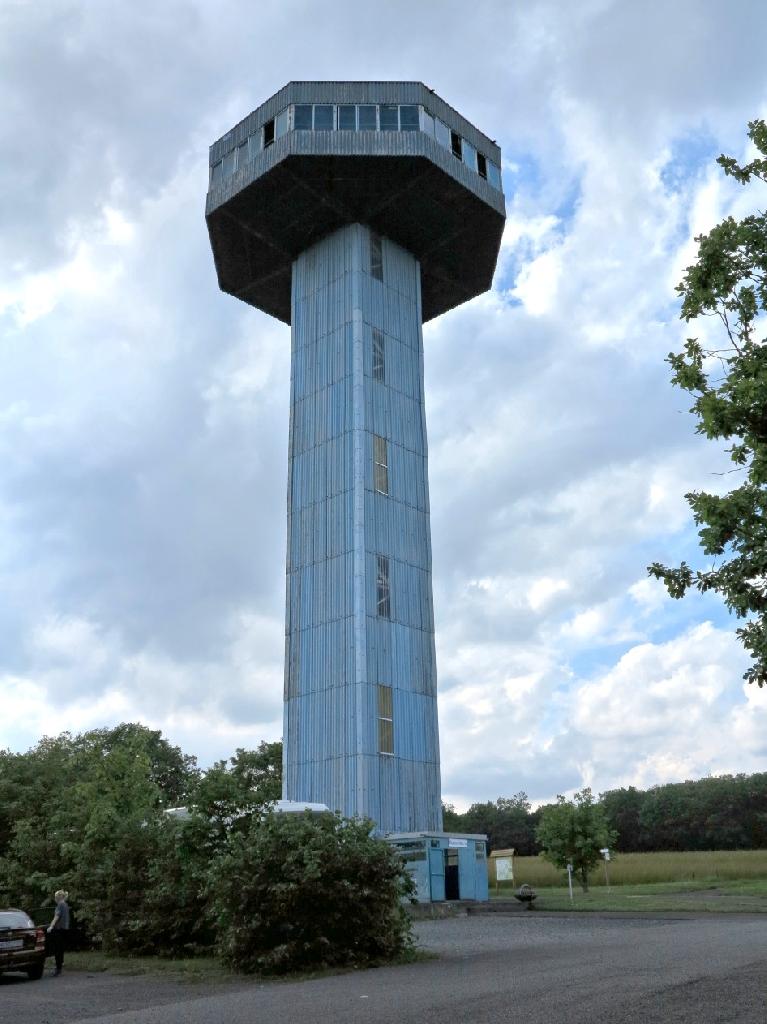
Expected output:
(531, 968)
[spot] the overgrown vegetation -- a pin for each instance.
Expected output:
(87, 813)
(306, 891)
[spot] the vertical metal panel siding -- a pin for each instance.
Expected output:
(341, 144)
(331, 712)
(354, 92)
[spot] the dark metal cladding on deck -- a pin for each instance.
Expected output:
(307, 184)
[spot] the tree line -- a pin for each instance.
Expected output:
(88, 813)
(726, 812)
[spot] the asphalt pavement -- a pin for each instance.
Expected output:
(534, 968)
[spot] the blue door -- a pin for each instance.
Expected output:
(437, 874)
(466, 871)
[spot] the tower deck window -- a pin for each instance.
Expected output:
(442, 133)
(323, 117)
(242, 154)
(229, 164)
(379, 356)
(347, 118)
(302, 117)
(385, 720)
(367, 117)
(408, 118)
(481, 165)
(381, 464)
(456, 146)
(281, 123)
(268, 133)
(383, 601)
(376, 257)
(388, 115)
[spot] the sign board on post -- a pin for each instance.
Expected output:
(504, 871)
(457, 844)
(605, 851)
(503, 866)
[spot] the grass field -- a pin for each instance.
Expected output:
(727, 897)
(647, 868)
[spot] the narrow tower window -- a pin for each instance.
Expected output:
(385, 720)
(456, 144)
(381, 457)
(379, 356)
(481, 165)
(268, 133)
(383, 604)
(376, 257)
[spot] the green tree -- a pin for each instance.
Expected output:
(232, 791)
(623, 808)
(452, 820)
(304, 890)
(574, 831)
(729, 383)
(507, 822)
(78, 812)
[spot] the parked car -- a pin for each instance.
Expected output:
(22, 944)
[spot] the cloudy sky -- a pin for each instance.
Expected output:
(144, 414)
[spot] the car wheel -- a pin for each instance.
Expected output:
(36, 973)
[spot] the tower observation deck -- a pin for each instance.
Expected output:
(355, 211)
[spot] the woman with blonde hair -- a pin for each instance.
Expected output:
(58, 929)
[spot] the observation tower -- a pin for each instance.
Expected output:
(355, 212)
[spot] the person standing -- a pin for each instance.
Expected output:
(58, 929)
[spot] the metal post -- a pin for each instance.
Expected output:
(570, 880)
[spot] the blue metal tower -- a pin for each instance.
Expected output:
(355, 211)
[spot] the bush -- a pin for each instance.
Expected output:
(307, 891)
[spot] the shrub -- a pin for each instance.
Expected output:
(306, 891)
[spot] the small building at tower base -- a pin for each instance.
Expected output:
(444, 865)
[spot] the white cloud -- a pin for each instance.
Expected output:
(543, 589)
(143, 415)
(537, 283)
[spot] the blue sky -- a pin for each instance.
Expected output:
(143, 414)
